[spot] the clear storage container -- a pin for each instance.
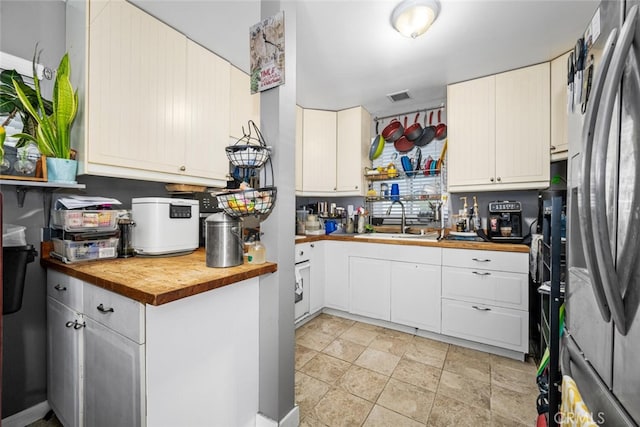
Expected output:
(84, 220)
(72, 251)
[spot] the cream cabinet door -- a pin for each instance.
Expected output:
(370, 287)
(471, 133)
(319, 154)
(415, 295)
(299, 149)
(136, 91)
(352, 150)
(207, 114)
(243, 106)
(559, 137)
(523, 126)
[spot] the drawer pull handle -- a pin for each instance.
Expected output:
(69, 324)
(481, 308)
(484, 273)
(481, 260)
(77, 325)
(101, 309)
(60, 288)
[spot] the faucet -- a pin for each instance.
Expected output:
(403, 221)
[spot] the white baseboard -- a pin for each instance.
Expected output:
(292, 419)
(27, 416)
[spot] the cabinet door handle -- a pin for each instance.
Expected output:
(553, 147)
(313, 246)
(101, 309)
(60, 288)
(484, 273)
(69, 324)
(77, 325)
(491, 179)
(481, 308)
(481, 260)
(301, 253)
(499, 179)
(183, 168)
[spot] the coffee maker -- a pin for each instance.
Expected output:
(504, 222)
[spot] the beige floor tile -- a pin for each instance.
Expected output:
(344, 349)
(303, 355)
(362, 382)
(438, 345)
(473, 354)
(426, 351)
(378, 361)
(390, 344)
(311, 422)
(418, 374)
(526, 366)
(383, 417)
(308, 391)
(406, 399)
(369, 326)
(468, 365)
(325, 368)
(500, 421)
(338, 408)
(514, 379)
(447, 412)
(359, 335)
(396, 334)
(465, 389)
(315, 340)
(520, 407)
(327, 324)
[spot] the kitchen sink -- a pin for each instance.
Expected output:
(433, 236)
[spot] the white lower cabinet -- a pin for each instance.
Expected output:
(370, 287)
(485, 297)
(336, 283)
(415, 295)
(316, 293)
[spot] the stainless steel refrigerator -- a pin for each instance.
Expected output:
(601, 345)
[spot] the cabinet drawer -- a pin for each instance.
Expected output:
(516, 262)
(303, 252)
(501, 327)
(65, 289)
(114, 311)
(499, 288)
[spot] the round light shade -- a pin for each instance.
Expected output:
(412, 18)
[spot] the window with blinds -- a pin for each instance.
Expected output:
(419, 193)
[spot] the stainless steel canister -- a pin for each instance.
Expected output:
(224, 245)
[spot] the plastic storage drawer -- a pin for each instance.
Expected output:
(71, 251)
(84, 220)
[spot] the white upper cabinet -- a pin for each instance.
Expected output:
(319, 151)
(559, 137)
(499, 131)
(154, 105)
(352, 150)
(243, 106)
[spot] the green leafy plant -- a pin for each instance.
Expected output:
(53, 129)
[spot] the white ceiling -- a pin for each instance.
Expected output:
(348, 54)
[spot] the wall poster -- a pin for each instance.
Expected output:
(266, 47)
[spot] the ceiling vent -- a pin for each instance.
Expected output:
(399, 96)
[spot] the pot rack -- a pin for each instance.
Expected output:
(408, 113)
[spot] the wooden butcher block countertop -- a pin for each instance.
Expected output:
(449, 244)
(156, 281)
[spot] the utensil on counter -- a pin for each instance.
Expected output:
(441, 128)
(393, 131)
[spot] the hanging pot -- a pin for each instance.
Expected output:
(403, 145)
(377, 145)
(414, 131)
(428, 132)
(441, 128)
(393, 131)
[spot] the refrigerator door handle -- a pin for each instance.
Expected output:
(584, 193)
(604, 253)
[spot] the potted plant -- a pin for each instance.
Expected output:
(53, 129)
(12, 107)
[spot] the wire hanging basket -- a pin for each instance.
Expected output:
(249, 151)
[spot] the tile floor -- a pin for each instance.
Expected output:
(350, 373)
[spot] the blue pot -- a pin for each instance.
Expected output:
(62, 171)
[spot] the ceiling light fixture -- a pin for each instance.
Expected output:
(412, 18)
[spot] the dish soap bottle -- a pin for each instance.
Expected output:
(257, 252)
(477, 223)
